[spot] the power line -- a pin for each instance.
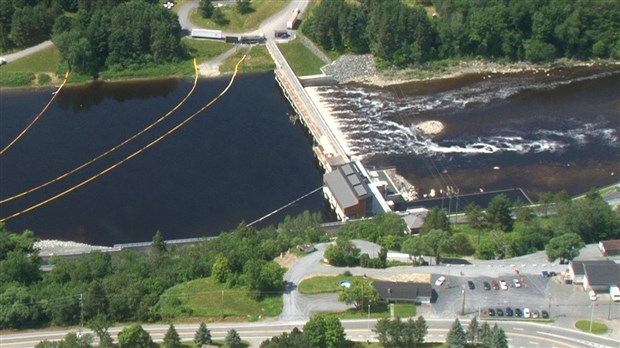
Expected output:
(285, 206)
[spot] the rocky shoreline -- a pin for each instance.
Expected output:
(362, 69)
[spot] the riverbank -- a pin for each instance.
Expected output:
(363, 69)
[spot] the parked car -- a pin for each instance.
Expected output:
(544, 314)
(545, 274)
(491, 312)
(526, 312)
(535, 314)
(509, 312)
(470, 285)
(500, 312)
(517, 283)
(518, 312)
(503, 285)
(440, 280)
(486, 285)
(552, 274)
(2, 61)
(593, 295)
(495, 285)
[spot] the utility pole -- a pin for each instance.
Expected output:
(591, 317)
(463, 305)
(81, 313)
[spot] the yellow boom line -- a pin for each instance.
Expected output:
(39, 115)
(117, 164)
(86, 164)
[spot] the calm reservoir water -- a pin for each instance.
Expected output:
(237, 161)
(243, 158)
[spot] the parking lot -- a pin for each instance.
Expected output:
(455, 297)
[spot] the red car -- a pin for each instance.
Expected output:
(495, 285)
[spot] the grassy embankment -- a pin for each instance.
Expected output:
(303, 61)
(597, 328)
(257, 60)
(237, 22)
(331, 284)
(206, 298)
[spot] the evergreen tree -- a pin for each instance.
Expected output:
(485, 335)
(244, 7)
(203, 335)
(172, 339)
(233, 340)
(498, 338)
(206, 8)
(456, 336)
(158, 246)
(473, 330)
(498, 214)
(436, 219)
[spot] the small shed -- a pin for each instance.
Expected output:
(404, 292)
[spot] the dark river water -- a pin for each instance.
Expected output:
(539, 131)
(237, 161)
(243, 158)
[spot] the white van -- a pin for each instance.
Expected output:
(614, 292)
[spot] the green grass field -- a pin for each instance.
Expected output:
(324, 284)
(258, 60)
(237, 23)
(301, 59)
(597, 328)
(208, 298)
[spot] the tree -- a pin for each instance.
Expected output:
(361, 293)
(73, 341)
(293, 340)
(100, 325)
(203, 335)
(475, 217)
(334, 332)
(172, 339)
(96, 300)
(343, 253)
(233, 340)
(416, 331)
(456, 336)
(565, 247)
(590, 217)
(221, 270)
(134, 337)
(485, 334)
(498, 338)
(436, 241)
(218, 17)
(206, 8)
(324, 331)
(414, 246)
(473, 330)
(158, 246)
(498, 213)
(244, 7)
(436, 219)
(396, 333)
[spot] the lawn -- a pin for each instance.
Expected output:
(237, 23)
(301, 59)
(257, 60)
(41, 69)
(324, 284)
(402, 310)
(208, 298)
(206, 49)
(597, 328)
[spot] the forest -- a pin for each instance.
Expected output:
(93, 36)
(401, 35)
(128, 286)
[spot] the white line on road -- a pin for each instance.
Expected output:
(518, 328)
(532, 342)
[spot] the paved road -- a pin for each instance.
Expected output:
(28, 51)
(520, 334)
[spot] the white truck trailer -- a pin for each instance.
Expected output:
(292, 21)
(207, 34)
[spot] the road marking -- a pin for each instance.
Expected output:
(532, 342)
(576, 340)
(518, 328)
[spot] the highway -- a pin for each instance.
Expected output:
(520, 334)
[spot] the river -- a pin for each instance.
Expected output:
(243, 158)
(237, 161)
(541, 131)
